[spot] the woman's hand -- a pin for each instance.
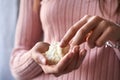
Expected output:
(92, 29)
(71, 61)
(37, 52)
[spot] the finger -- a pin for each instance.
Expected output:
(63, 63)
(42, 47)
(96, 33)
(74, 60)
(68, 68)
(37, 51)
(56, 69)
(82, 55)
(104, 37)
(72, 31)
(48, 69)
(39, 58)
(85, 29)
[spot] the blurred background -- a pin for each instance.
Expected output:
(8, 18)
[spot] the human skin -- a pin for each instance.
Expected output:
(29, 32)
(74, 58)
(92, 29)
(82, 31)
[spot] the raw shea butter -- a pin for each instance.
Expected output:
(55, 53)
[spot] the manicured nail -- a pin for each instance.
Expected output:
(62, 44)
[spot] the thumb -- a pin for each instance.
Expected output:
(42, 47)
(41, 59)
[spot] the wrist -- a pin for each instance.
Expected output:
(113, 44)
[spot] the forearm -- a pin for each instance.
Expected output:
(28, 30)
(22, 65)
(28, 33)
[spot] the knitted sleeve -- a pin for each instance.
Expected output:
(28, 33)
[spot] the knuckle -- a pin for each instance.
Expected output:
(105, 23)
(96, 17)
(86, 16)
(73, 29)
(110, 29)
(38, 43)
(82, 31)
(99, 43)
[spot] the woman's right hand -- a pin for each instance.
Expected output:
(71, 61)
(37, 52)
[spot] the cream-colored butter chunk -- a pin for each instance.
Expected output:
(55, 53)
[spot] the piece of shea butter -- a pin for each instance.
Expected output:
(55, 53)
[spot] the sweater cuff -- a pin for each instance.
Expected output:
(23, 67)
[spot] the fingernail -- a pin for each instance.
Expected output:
(62, 44)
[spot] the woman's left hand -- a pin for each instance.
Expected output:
(92, 29)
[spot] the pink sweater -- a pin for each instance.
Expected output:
(57, 16)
